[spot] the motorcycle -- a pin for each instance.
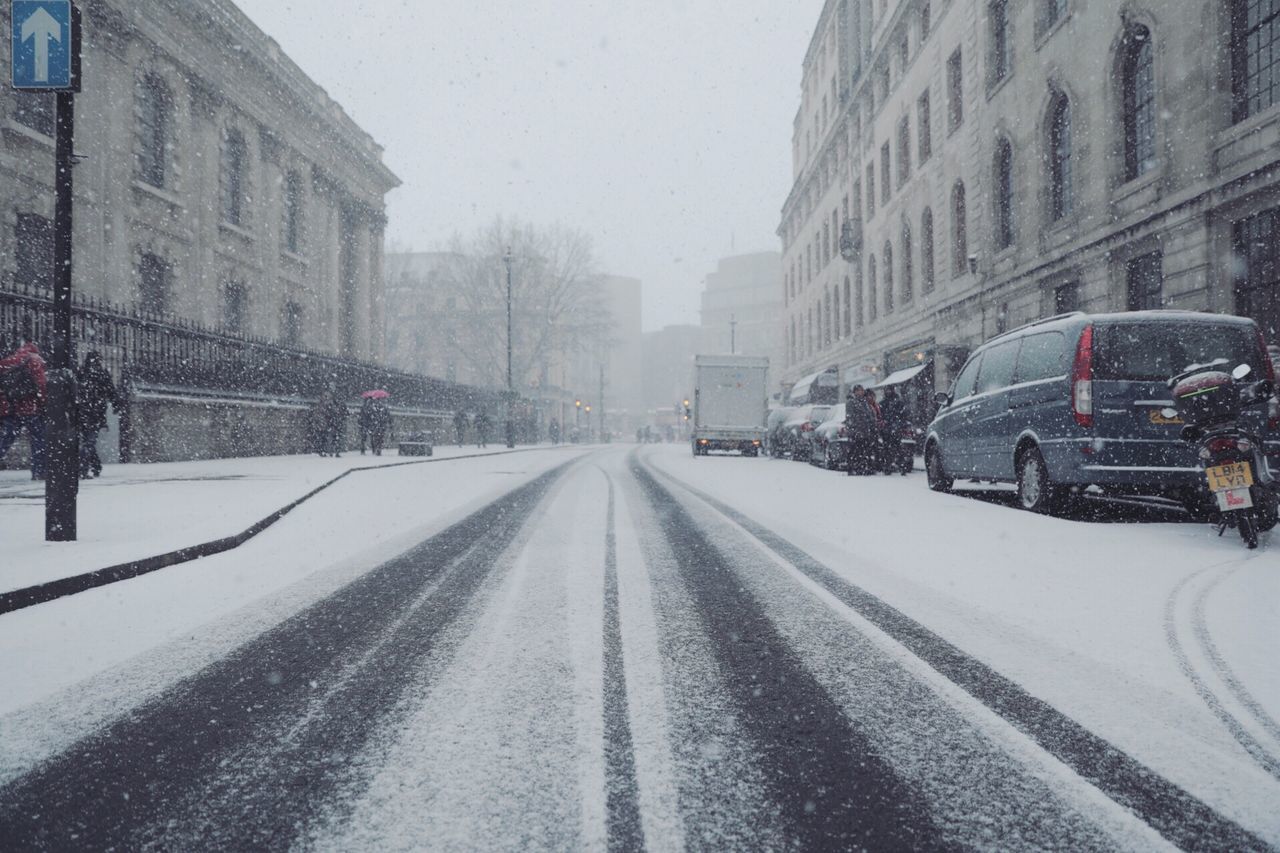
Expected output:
(1210, 400)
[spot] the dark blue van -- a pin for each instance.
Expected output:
(1077, 400)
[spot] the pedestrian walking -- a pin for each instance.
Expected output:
(363, 420)
(553, 430)
(482, 429)
(860, 425)
(332, 417)
(376, 421)
(22, 403)
(94, 390)
(893, 412)
(460, 426)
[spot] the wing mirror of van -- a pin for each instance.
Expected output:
(1241, 371)
(942, 398)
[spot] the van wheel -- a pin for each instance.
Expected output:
(936, 474)
(1035, 492)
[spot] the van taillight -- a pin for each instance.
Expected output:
(1082, 380)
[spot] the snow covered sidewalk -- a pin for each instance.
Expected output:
(137, 511)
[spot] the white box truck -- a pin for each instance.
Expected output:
(730, 399)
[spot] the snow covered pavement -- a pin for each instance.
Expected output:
(608, 648)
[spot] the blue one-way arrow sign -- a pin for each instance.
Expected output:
(42, 44)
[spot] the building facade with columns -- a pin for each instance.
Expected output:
(991, 163)
(219, 185)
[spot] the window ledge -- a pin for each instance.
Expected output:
(293, 256)
(236, 230)
(156, 192)
(1138, 184)
(996, 85)
(1246, 127)
(1049, 31)
(17, 128)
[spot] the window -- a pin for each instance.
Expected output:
(925, 143)
(925, 21)
(835, 308)
(856, 210)
(888, 278)
(904, 151)
(153, 130)
(825, 309)
(1060, 200)
(235, 303)
(955, 92)
(1053, 12)
(1257, 286)
(1004, 194)
(1144, 282)
(997, 367)
(1139, 106)
(871, 190)
(904, 51)
(871, 289)
(154, 274)
(959, 232)
(1255, 56)
(926, 251)
(233, 163)
(1043, 356)
(967, 381)
(886, 184)
(1001, 58)
(819, 345)
(33, 252)
(826, 243)
(908, 286)
(1066, 298)
(291, 325)
(857, 296)
(848, 309)
(36, 110)
(292, 212)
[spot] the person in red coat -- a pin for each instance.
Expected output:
(22, 403)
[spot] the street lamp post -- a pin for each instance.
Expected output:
(511, 391)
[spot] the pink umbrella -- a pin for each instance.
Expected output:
(377, 394)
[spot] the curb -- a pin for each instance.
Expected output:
(40, 593)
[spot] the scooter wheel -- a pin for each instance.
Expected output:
(1248, 530)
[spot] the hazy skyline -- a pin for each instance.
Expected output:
(662, 129)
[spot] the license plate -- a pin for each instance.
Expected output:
(1229, 499)
(1222, 478)
(1159, 417)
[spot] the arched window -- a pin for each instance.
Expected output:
(857, 296)
(791, 342)
(959, 231)
(908, 286)
(233, 163)
(848, 309)
(871, 289)
(153, 130)
(888, 278)
(293, 212)
(818, 345)
(1139, 93)
(1060, 196)
(926, 251)
(826, 317)
(1003, 182)
(808, 335)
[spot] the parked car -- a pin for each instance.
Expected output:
(775, 437)
(1077, 400)
(796, 430)
(829, 442)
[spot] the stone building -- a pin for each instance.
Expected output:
(740, 307)
(219, 184)
(990, 163)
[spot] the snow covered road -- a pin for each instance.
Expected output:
(633, 648)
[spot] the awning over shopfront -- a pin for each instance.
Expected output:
(898, 377)
(805, 390)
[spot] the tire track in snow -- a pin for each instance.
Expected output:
(1173, 812)
(204, 764)
(625, 831)
(1256, 750)
(831, 788)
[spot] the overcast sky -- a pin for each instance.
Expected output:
(662, 128)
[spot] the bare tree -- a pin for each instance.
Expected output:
(557, 307)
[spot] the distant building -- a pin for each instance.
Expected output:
(741, 305)
(962, 168)
(220, 185)
(624, 378)
(668, 364)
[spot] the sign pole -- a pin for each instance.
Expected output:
(62, 439)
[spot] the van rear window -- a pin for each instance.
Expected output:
(1156, 351)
